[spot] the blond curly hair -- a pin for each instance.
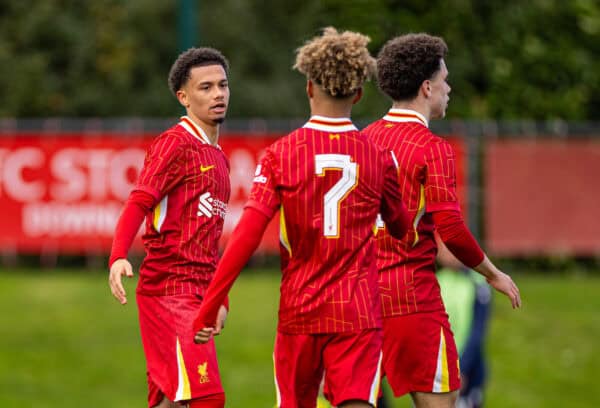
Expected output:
(339, 63)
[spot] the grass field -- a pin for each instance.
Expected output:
(65, 342)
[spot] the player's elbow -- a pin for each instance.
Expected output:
(399, 226)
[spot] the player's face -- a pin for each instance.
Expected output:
(206, 94)
(439, 92)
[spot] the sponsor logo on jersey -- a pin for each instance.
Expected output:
(204, 169)
(209, 206)
(259, 178)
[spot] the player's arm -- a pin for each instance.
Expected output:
(242, 244)
(440, 196)
(393, 211)
(137, 206)
(160, 172)
(459, 240)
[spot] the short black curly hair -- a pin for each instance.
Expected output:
(406, 61)
(194, 57)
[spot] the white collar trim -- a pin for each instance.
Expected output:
(188, 124)
(327, 124)
(405, 115)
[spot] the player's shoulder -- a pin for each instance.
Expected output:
(373, 126)
(176, 135)
(369, 142)
(424, 137)
(435, 140)
(286, 142)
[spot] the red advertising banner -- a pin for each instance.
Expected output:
(63, 193)
(542, 197)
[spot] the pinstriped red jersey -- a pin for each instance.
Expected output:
(327, 179)
(428, 183)
(189, 178)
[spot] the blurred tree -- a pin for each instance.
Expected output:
(73, 58)
(508, 59)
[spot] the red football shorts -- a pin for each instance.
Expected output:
(350, 363)
(419, 354)
(177, 367)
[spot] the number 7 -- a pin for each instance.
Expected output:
(339, 191)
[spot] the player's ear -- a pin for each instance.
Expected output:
(426, 88)
(309, 88)
(357, 96)
(182, 98)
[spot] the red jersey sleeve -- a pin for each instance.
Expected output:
(162, 166)
(457, 237)
(241, 246)
(440, 183)
(263, 196)
(136, 208)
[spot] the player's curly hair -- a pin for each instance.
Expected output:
(339, 63)
(406, 61)
(194, 57)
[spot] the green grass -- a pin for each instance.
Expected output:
(65, 342)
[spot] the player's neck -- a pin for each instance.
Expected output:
(210, 130)
(415, 105)
(331, 109)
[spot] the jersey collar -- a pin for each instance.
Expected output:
(326, 124)
(188, 124)
(405, 115)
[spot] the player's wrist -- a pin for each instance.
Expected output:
(112, 260)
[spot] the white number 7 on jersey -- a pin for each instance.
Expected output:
(339, 191)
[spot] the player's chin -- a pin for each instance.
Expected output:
(217, 119)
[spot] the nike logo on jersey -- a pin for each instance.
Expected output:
(204, 169)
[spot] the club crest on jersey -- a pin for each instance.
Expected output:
(203, 373)
(209, 206)
(259, 178)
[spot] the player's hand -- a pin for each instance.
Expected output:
(119, 268)
(221, 317)
(503, 283)
(204, 335)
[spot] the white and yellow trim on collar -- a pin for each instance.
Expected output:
(405, 115)
(326, 124)
(188, 124)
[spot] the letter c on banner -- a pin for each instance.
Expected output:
(15, 184)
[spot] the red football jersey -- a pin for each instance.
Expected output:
(327, 179)
(189, 178)
(428, 184)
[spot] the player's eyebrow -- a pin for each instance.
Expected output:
(216, 81)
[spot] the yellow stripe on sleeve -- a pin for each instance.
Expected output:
(283, 237)
(420, 213)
